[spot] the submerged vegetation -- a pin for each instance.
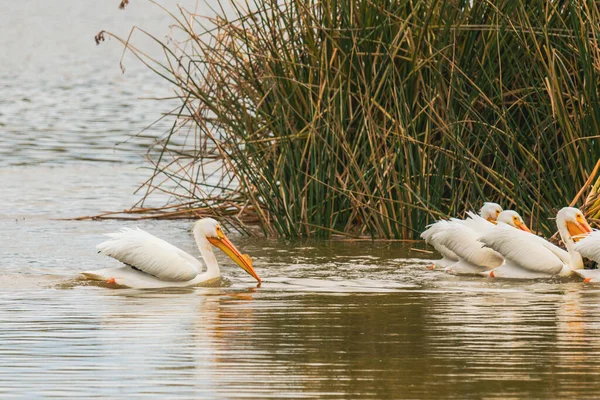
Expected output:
(375, 117)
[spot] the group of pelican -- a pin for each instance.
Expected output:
(497, 243)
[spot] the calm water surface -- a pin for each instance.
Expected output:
(332, 319)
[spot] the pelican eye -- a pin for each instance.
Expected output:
(220, 233)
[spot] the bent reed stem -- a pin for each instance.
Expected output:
(375, 117)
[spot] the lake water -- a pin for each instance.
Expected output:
(331, 320)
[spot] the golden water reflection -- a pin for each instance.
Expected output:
(320, 326)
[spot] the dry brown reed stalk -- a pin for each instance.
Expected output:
(376, 117)
(591, 205)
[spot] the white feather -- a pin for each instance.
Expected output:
(589, 247)
(525, 250)
(151, 255)
(448, 256)
(464, 242)
(557, 251)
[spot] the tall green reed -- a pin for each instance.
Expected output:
(376, 117)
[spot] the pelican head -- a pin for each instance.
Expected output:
(513, 219)
(490, 211)
(210, 230)
(572, 225)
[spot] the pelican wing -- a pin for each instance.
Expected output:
(464, 242)
(589, 247)
(150, 254)
(429, 236)
(558, 252)
(524, 249)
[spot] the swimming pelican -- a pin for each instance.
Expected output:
(462, 238)
(528, 256)
(153, 263)
(489, 212)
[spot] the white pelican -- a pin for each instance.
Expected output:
(528, 256)
(462, 238)
(489, 212)
(153, 263)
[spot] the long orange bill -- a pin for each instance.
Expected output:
(578, 230)
(524, 227)
(243, 260)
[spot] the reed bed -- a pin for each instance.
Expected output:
(376, 117)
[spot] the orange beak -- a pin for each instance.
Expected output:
(578, 230)
(243, 260)
(492, 220)
(523, 227)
